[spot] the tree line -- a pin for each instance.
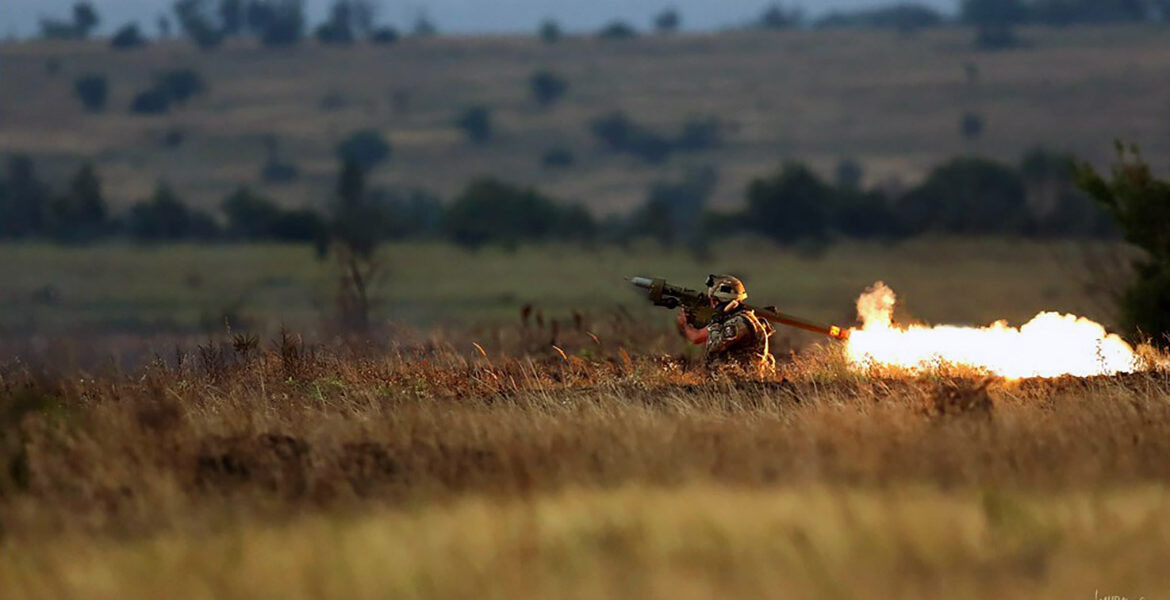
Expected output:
(208, 23)
(793, 205)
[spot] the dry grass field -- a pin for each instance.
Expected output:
(421, 470)
(893, 102)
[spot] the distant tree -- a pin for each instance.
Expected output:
(668, 21)
(302, 225)
(791, 205)
(366, 149)
(1061, 209)
(776, 16)
(249, 215)
(424, 26)
(1067, 12)
(994, 21)
(904, 17)
(93, 91)
(476, 124)
(849, 174)
(547, 87)
(1140, 205)
(971, 126)
(180, 85)
(23, 199)
(699, 133)
(232, 17)
(968, 196)
(279, 22)
(173, 138)
(165, 217)
(384, 36)
(163, 24)
(338, 29)
(557, 158)
(84, 20)
(550, 32)
(620, 134)
(617, 30)
(355, 230)
(862, 214)
(492, 211)
(197, 21)
(80, 213)
(673, 212)
(127, 38)
(151, 102)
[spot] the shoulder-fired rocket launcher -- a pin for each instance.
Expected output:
(700, 312)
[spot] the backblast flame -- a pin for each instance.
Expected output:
(1050, 345)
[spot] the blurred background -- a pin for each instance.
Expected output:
(336, 166)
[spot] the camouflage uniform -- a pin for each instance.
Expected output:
(738, 340)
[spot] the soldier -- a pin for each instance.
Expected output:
(736, 337)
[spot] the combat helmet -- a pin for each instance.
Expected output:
(725, 290)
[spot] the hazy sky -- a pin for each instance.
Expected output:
(21, 16)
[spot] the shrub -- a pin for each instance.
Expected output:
(547, 87)
(1140, 205)
(492, 211)
(790, 206)
(617, 30)
(476, 123)
(556, 158)
(971, 126)
(165, 217)
(384, 36)
(128, 38)
(968, 196)
(93, 91)
(550, 32)
(180, 85)
(366, 148)
(621, 134)
(151, 102)
(699, 133)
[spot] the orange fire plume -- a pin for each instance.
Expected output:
(1050, 345)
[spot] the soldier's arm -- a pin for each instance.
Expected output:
(732, 331)
(694, 335)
